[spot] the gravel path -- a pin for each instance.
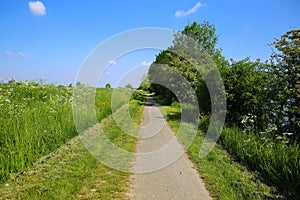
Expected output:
(161, 171)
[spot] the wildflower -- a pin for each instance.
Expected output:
(287, 133)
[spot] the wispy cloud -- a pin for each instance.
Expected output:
(14, 54)
(112, 62)
(37, 8)
(145, 63)
(183, 13)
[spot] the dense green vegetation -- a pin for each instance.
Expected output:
(262, 123)
(35, 119)
(275, 160)
(262, 129)
(224, 177)
(72, 172)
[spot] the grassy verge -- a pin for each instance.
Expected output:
(35, 119)
(224, 177)
(72, 172)
(277, 162)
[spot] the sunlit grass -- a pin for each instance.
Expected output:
(71, 171)
(35, 119)
(277, 162)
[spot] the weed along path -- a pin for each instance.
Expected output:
(158, 175)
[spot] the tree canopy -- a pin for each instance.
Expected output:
(285, 85)
(267, 92)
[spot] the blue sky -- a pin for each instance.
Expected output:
(50, 39)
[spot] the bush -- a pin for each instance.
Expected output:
(139, 95)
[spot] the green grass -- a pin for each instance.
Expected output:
(224, 177)
(277, 162)
(35, 119)
(72, 172)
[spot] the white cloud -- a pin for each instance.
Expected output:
(145, 63)
(14, 54)
(112, 62)
(37, 8)
(182, 13)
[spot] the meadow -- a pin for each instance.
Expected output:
(72, 172)
(36, 119)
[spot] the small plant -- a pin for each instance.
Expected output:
(248, 122)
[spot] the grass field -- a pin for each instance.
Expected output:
(72, 172)
(41, 156)
(35, 119)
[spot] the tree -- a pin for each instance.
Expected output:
(246, 83)
(193, 48)
(78, 84)
(285, 90)
(129, 86)
(107, 85)
(204, 34)
(145, 84)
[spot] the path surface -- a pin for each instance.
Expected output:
(157, 149)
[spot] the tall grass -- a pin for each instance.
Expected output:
(277, 162)
(224, 177)
(36, 119)
(72, 172)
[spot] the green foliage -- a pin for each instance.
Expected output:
(191, 56)
(246, 83)
(107, 85)
(204, 34)
(285, 86)
(262, 100)
(129, 86)
(139, 95)
(145, 85)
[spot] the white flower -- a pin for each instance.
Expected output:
(287, 133)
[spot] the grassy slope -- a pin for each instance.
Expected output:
(36, 119)
(224, 178)
(72, 172)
